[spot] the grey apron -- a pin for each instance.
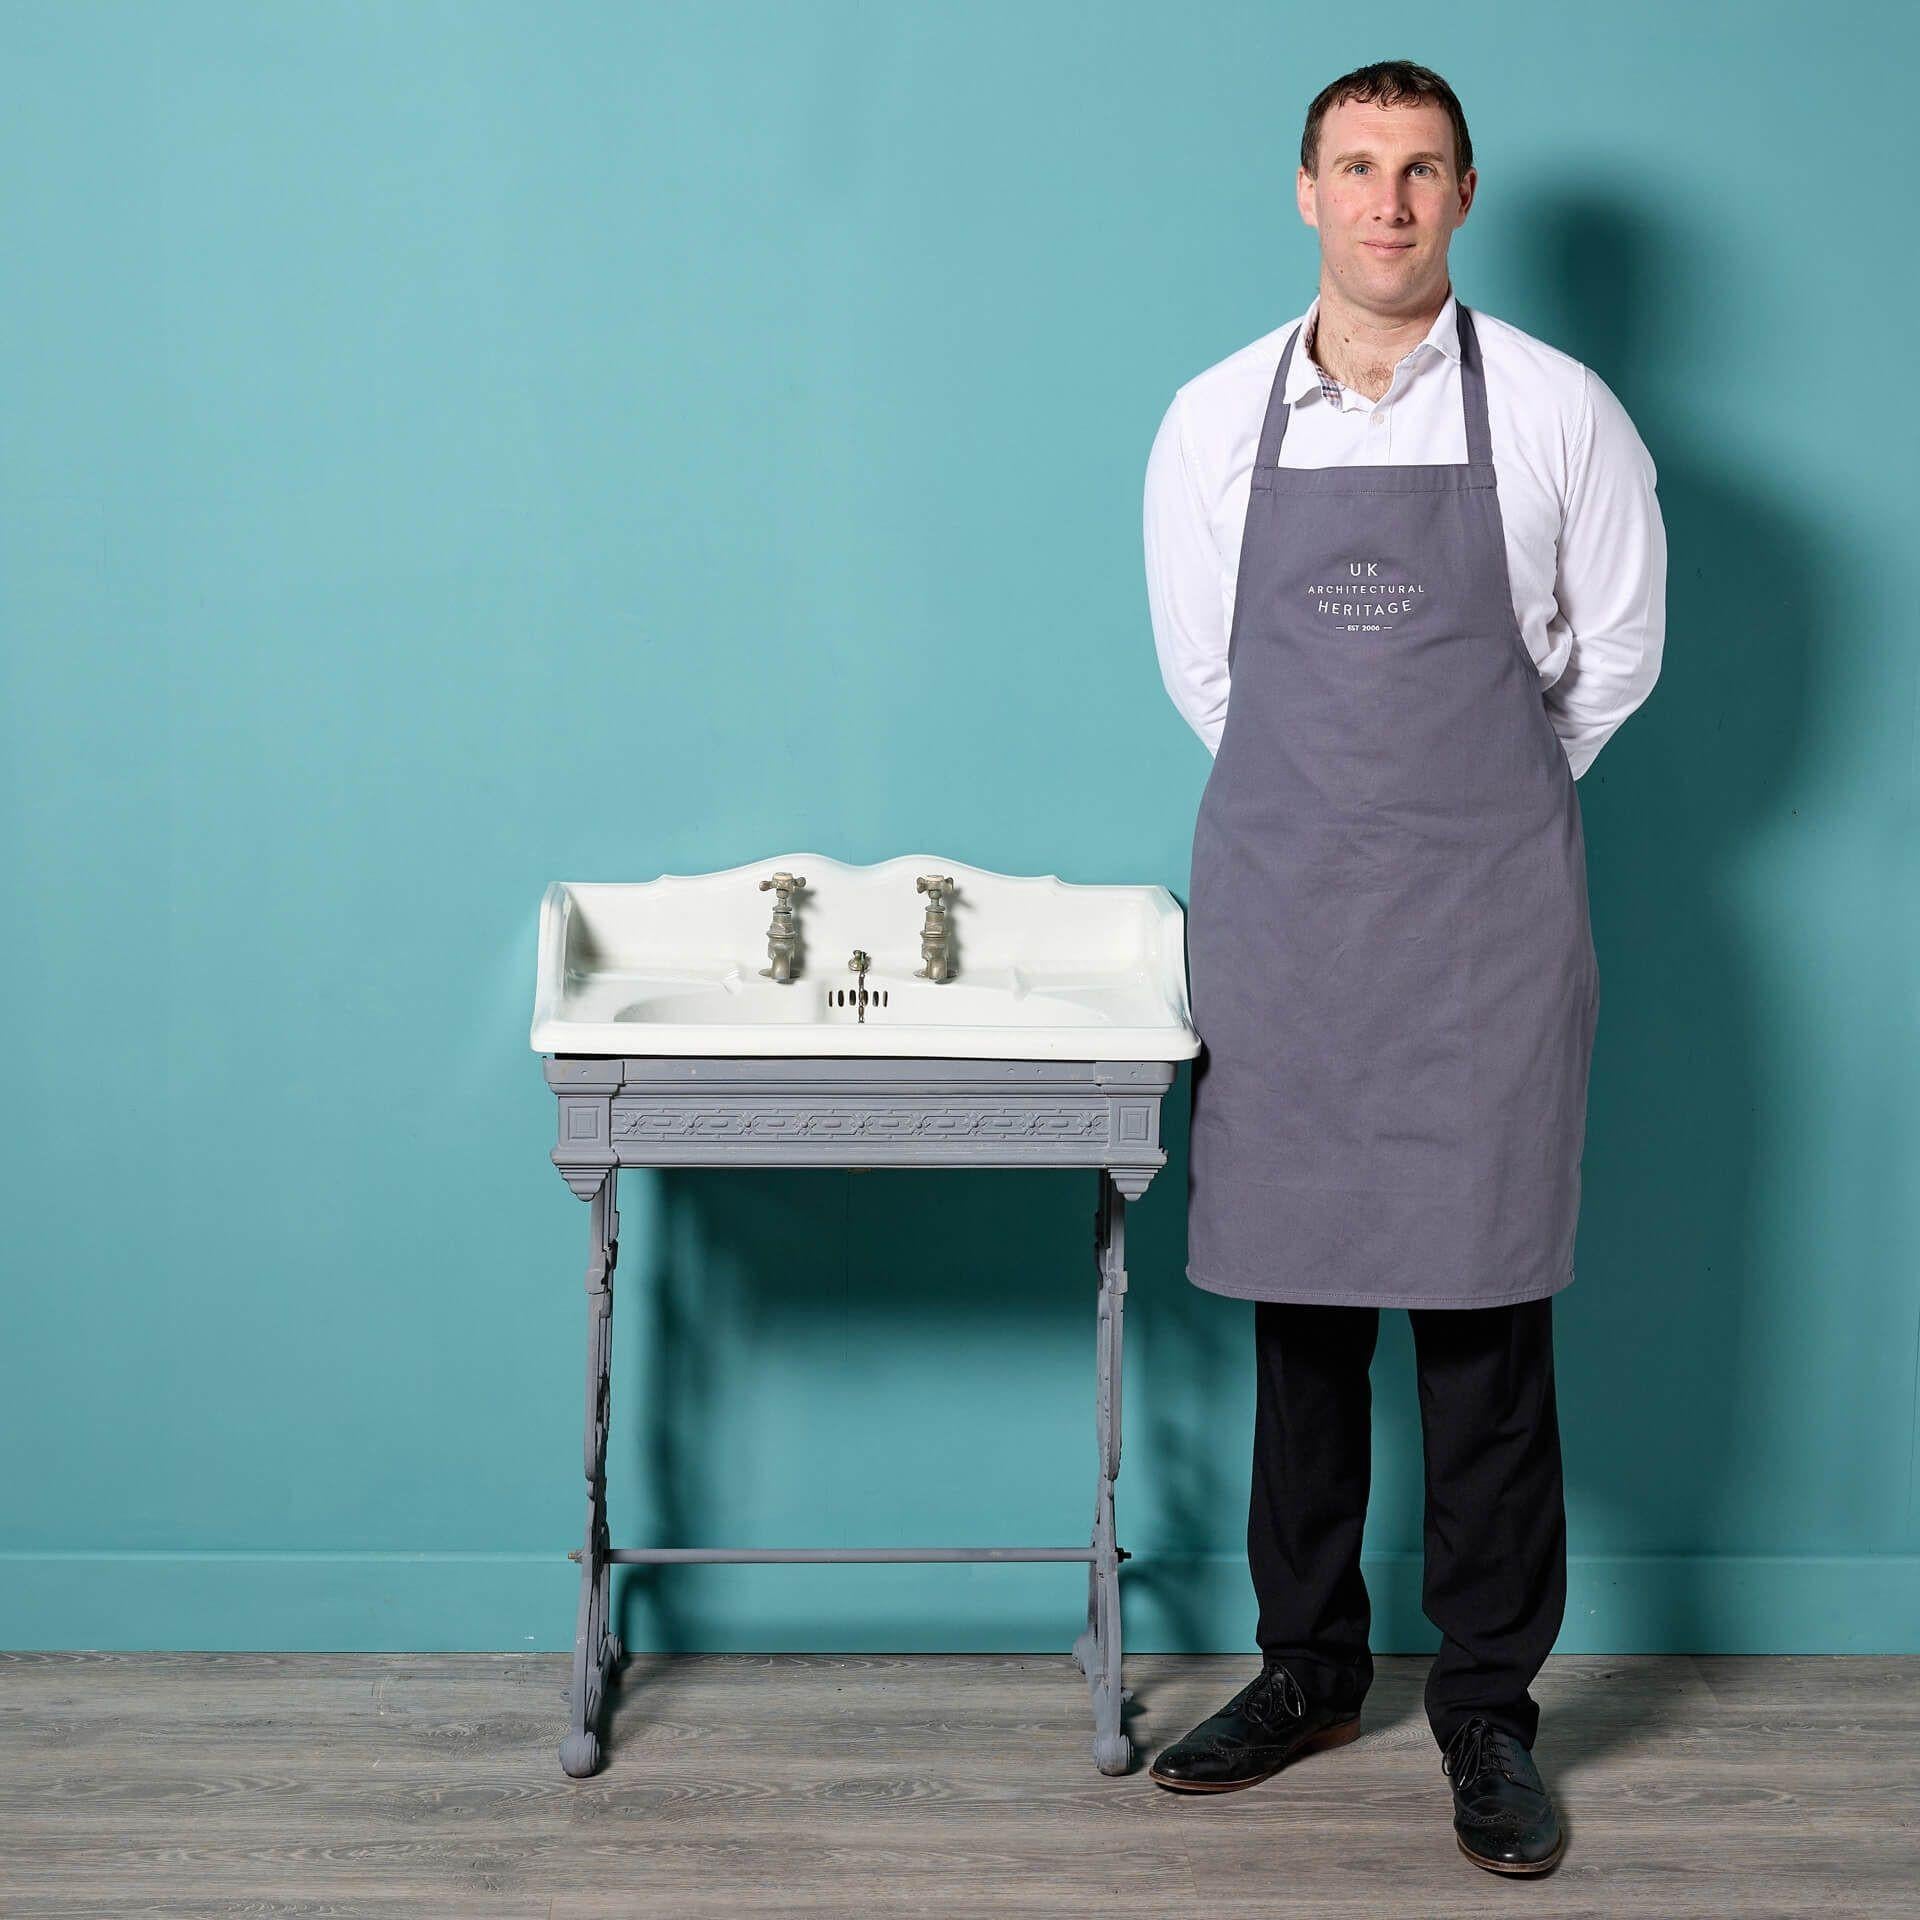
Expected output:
(1389, 950)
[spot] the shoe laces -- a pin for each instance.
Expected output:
(1274, 1686)
(1476, 1748)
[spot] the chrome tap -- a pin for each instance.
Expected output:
(936, 938)
(783, 937)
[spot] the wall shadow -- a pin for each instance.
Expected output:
(1675, 1287)
(1659, 1340)
(821, 1283)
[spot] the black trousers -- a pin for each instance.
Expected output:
(1495, 1579)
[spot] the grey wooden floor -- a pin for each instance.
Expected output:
(746, 1784)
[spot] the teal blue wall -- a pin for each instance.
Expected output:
(449, 448)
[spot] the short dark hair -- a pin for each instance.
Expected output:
(1386, 83)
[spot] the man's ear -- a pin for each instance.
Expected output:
(1303, 193)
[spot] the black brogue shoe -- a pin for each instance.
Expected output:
(1503, 1816)
(1267, 1724)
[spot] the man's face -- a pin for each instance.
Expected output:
(1386, 202)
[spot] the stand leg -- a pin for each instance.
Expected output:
(1097, 1651)
(595, 1649)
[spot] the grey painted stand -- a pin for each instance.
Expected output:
(802, 1111)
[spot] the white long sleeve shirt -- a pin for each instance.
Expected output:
(1586, 548)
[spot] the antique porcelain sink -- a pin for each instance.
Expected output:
(1040, 968)
(1032, 1023)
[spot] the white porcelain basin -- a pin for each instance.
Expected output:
(1044, 969)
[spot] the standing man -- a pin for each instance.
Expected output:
(1407, 575)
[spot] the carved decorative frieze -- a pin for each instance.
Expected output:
(797, 1112)
(675, 1119)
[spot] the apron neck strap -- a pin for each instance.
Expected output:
(1473, 398)
(1273, 429)
(1473, 391)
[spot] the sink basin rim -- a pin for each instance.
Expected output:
(1147, 913)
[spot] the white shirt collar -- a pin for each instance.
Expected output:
(1302, 379)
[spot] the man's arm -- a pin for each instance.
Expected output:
(1612, 581)
(1183, 585)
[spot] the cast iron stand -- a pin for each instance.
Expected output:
(840, 1112)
